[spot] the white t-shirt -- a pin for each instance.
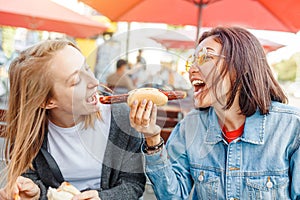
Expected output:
(79, 152)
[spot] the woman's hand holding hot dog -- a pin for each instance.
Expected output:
(24, 189)
(143, 103)
(143, 119)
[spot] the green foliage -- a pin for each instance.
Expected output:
(8, 34)
(174, 27)
(287, 69)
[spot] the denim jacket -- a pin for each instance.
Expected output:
(264, 163)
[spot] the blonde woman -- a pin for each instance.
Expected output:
(57, 132)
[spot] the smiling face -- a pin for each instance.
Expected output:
(203, 75)
(74, 87)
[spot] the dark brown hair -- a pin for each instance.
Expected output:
(250, 75)
(120, 63)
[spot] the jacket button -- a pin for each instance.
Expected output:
(269, 184)
(200, 178)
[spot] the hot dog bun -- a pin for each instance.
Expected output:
(152, 94)
(66, 191)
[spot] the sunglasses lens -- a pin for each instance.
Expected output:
(200, 59)
(189, 62)
(202, 55)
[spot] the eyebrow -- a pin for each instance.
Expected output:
(210, 48)
(76, 71)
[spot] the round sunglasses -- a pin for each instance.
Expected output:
(202, 57)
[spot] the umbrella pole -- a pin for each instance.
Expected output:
(199, 24)
(127, 39)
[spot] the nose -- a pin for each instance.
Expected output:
(92, 81)
(194, 69)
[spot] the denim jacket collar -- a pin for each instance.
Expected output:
(254, 129)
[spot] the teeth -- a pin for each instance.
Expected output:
(198, 82)
(90, 99)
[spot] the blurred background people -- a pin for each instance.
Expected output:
(140, 59)
(138, 73)
(119, 81)
(107, 51)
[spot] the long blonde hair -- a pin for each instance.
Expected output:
(30, 89)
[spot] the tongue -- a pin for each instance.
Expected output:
(197, 88)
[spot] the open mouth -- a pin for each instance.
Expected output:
(93, 99)
(198, 85)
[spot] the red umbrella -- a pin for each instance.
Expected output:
(288, 11)
(179, 39)
(49, 16)
(206, 13)
(185, 39)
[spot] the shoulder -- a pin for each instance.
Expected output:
(121, 132)
(120, 110)
(284, 109)
(197, 113)
(120, 116)
(111, 76)
(194, 119)
(287, 117)
(127, 77)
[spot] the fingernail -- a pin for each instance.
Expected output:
(17, 197)
(135, 102)
(144, 101)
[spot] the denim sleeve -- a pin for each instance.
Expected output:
(169, 169)
(295, 173)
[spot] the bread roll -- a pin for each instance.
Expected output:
(66, 191)
(152, 94)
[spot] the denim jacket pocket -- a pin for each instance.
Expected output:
(207, 183)
(268, 187)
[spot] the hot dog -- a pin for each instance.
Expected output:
(152, 94)
(66, 191)
(159, 97)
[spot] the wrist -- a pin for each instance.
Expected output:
(153, 140)
(156, 146)
(151, 149)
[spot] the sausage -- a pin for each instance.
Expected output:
(172, 95)
(113, 99)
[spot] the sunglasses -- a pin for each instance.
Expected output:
(202, 57)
